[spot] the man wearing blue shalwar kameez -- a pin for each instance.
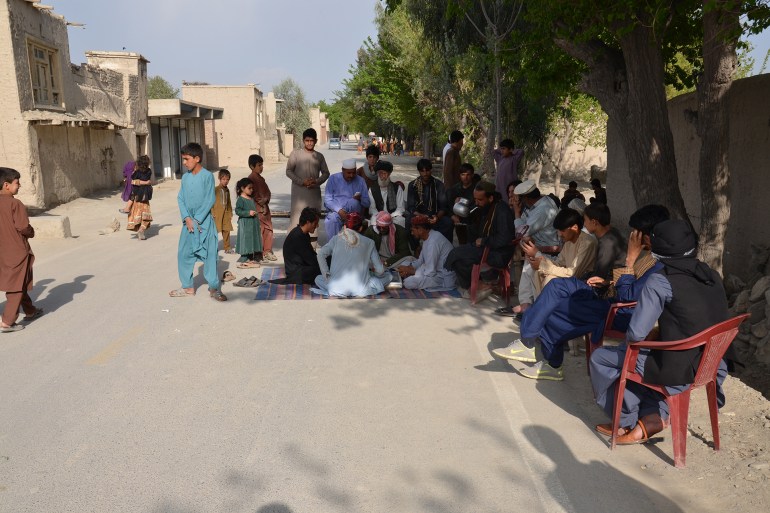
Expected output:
(198, 239)
(346, 192)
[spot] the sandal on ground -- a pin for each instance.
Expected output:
(228, 276)
(230, 251)
(31, 317)
(13, 327)
(606, 429)
(648, 426)
(181, 293)
(505, 311)
(255, 282)
(248, 265)
(217, 295)
(243, 282)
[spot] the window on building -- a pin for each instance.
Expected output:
(45, 75)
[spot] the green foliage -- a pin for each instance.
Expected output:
(158, 88)
(293, 112)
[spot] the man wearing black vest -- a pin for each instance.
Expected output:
(685, 297)
(386, 196)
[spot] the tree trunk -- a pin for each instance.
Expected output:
(721, 30)
(629, 85)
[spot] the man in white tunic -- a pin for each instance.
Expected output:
(352, 255)
(427, 272)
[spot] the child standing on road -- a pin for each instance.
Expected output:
(249, 241)
(198, 239)
(16, 256)
(223, 210)
(262, 199)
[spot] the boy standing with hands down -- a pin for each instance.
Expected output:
(16, 256)
(223, 210)
(198, 239)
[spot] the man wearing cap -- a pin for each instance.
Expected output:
(428, 272)
(391, 241)
(685, 297)
(307, 170)
(427, 196)
(352, 255)
(452, 159)
(387, 196)
(368, 171)
(345, 193)
(494, 229)
(537, 219)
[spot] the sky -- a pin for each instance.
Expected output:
(257, 42)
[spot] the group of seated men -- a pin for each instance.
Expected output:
(576, 265)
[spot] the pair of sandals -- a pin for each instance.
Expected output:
(251, 281)
(649, 426)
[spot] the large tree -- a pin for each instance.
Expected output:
(293, 112)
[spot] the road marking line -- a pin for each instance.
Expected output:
(552, 495)
(114, 348)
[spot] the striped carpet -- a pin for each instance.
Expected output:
(273, 292)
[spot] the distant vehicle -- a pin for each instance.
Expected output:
(334, 144)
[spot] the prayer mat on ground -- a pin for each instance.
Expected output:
(272, 291)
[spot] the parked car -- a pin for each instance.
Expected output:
(334, 144)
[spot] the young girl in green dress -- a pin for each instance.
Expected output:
(249, 241)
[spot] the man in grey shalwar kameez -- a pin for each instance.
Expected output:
(307, 170)
(352, 254)
(427, 272)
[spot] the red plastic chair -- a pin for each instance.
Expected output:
(608, 332)
(503, 277)
(716, 339)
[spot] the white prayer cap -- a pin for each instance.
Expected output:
(349, 164)
(525, 188)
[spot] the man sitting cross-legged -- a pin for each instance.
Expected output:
(427, 272)
(569, 307)
(299, 257)
(391, 241)
(352, 255)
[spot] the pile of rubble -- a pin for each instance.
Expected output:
(753, 340)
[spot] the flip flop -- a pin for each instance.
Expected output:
(243, 282)
(13, 327)
(181, 293)
(31, 317)
(606, 430)
(255, 282)
(228, 276)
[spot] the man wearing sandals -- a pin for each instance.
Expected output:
(685, 297)
(198, 239)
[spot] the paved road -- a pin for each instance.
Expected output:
(123, 399)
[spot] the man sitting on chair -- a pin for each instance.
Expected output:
(570, 307)
(494, 229)
(685, 297)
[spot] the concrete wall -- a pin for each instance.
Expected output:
(749, 161)
(241, 130)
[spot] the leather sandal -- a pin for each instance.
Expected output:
(648, 426)
(606, 429)
(217, 295)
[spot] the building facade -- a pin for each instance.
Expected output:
(67, 129)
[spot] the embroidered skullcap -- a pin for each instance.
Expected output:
(420, 220)
(353, 221)
(525, 188)
(349, 164)
(384, 219)
(383, 165)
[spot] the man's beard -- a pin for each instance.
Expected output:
(383, 183)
